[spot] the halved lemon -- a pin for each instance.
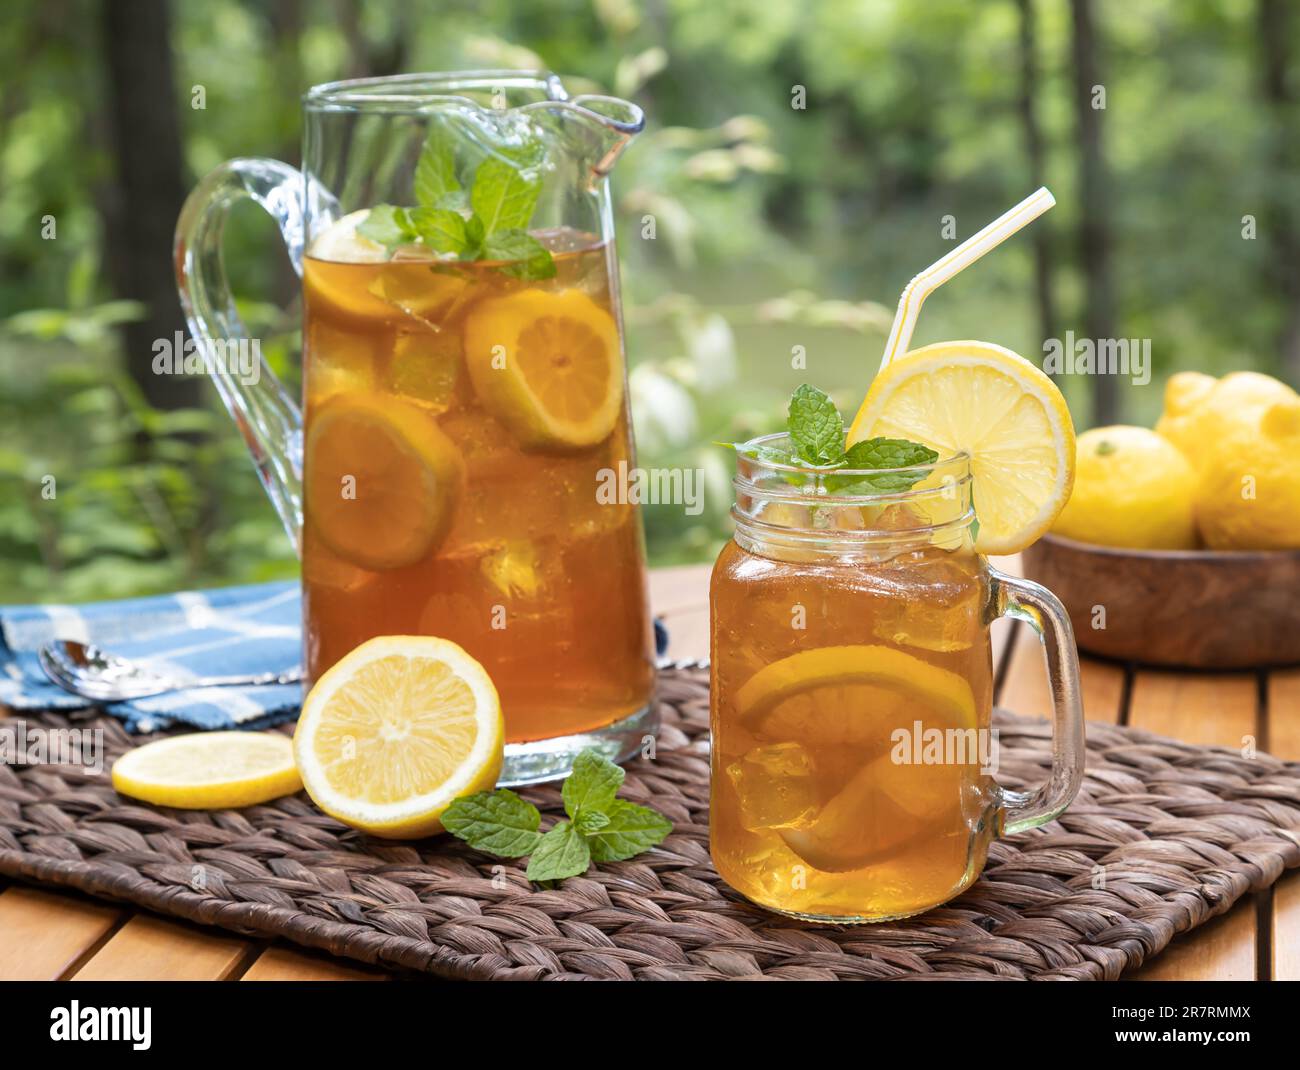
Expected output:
(999, 408)
(548, 366)
(381, 480)
(209, 770)
(395, 731)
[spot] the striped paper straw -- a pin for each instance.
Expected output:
(943, 269)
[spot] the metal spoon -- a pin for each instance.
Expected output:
(96, 674)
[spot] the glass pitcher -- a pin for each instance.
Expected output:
(852, 683)
(464, 389)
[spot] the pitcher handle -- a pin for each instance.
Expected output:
(1036, 606)
(269, 420)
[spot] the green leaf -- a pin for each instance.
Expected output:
(503, 197)
(883, 453)
(385, 224)
(562, 852)
(631, 830)
(816, 428)
(528, 258)
(435, 173)
(473, 238)
(589, 821)
(498, 822)
(440, 229)
(592, 785)
(456, 200)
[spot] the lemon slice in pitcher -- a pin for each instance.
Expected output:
(395, 731)
(209, 770)
(381, 480)
(997, 407)
(548, 366)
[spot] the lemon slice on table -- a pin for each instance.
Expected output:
(395, 731)
(209, 770)
(381, 480)
(548, 366)
(999, 408)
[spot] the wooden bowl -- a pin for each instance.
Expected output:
(1203, 609)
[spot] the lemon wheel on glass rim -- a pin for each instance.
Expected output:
(1001, 410)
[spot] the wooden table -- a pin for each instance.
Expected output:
(62, 935)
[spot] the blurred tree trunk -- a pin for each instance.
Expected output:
(1279, 224)
(141, 209)
(1094, 222)
(285, 18)
(1034, 151)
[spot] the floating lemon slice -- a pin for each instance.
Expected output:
(997, 407)
(381, 480)
(768, 702)
(395, 731)
(548, 366)
(209, 770)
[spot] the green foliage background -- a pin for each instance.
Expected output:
(775, 227)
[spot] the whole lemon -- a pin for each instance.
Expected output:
(1132, 488)
(1248, 497)
(1199, 409)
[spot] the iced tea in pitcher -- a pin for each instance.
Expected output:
(457, 420)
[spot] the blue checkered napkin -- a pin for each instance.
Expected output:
(223, 632)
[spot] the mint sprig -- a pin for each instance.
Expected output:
(486, 223)
(816, 432)
(601, 827)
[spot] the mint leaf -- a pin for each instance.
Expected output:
(440, 229)
(530, 259)
(435, 173)
(473, 238)
(974, 524)
(456, 200)
(883, 453)
(631, 830)
(589, 821)
(498, 822)
(816, 428)
(562, 852)
(502, 196)
(592, 785)
(388, 226)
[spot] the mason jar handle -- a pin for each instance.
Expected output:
(268, 419)
(1036, 606)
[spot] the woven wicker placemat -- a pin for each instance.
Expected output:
(1163, 836)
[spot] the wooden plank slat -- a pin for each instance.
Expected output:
(1283, 714)
(1282, 735)
(679, 587)
(1213, 709)
(46, 935)
(1285, 950)
(1220, 950)
(283, 963)
(147, 948)
(1209, 709)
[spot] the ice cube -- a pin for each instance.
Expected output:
(941, 609)
(425, 368)
(777, 787)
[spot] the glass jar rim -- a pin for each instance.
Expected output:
(416, 93)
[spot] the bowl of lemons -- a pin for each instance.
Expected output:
(1180, 546)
